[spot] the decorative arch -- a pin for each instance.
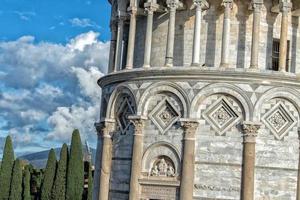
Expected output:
(288, 94)
(159, 151)
(162, 87)
(121, 104)
(226, 89)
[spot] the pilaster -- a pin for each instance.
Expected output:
(250, 132)
(188, 159)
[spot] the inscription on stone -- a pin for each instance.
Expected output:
(159, 192)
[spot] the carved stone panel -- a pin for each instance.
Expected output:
(159, 192)
(221, 115)
(164, 115)
(279, 120)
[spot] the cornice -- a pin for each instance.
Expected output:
(262, 77)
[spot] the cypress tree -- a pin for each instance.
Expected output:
(16, 182)
(49, 176)
(60, 183)
(90, 184)
(26, 185)
(6, 169)
(75, 174)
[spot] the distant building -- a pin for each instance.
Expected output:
(201, 101)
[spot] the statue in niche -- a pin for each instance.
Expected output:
(162, 168)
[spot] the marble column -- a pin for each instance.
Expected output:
(119, 45)
(150, 8)
(199, 4)
(137, 154)
(285, 9)
(256, 6)
(172, 6)
(112, 51)
(188, 159)
(250, 132)
(105, 130)
(226, 33)
(298, 180)
(131, 38)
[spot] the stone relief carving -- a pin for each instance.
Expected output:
(163, 167)
(279, 120)
(222, 115)
(125, 109)
(164, 115)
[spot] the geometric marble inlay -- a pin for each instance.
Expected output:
(222, 116)
(279, 120)
(123, 112)
(164, 115)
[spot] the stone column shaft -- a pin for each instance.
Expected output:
(256, 5)
(172, 5)
(112, 52)
(285, 8)
(105, 132)
(119, 46)
(226, 33)
(150, 8)
(137, 154)
(298, 180)
(197, 33)
(250, 133)
(188, 159)
(131, 38)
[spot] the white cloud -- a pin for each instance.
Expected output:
(83, 22)
(26, 16)
(48, 89)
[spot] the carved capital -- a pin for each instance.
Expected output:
(227, 3)
(173, 4)
(201, 4)
(250, 130)
(190, 127)
(256, 5)
(105, 128)
(132, 10)
(139, 124)
(150, 7)
(285, 6)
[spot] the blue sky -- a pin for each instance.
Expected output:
(51, 55)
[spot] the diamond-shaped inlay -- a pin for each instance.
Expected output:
(164, 115)
(279, 120)
(124, 111)
(221, 115)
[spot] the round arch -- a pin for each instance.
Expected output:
(227, 89)
(160, 87)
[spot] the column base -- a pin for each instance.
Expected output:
(146, 66)
(196, 65)
(224, 65)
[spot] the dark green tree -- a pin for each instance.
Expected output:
(60, 183)
(75, 173)
(6, 169)
(26, 184)
(90, 184)
(49, 176)
(16, 182)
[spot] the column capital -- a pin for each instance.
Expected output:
(285, 6)
(139, 124)
(227, 3)
(201, 4)
(105, 128)
(132, 10)
(173, 4)
(256, 5)
(250, 131)
(190, 127)
(150, 7)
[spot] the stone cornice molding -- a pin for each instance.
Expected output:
(264, 77)
(250, 131)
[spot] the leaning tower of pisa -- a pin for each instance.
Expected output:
(201, 101)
